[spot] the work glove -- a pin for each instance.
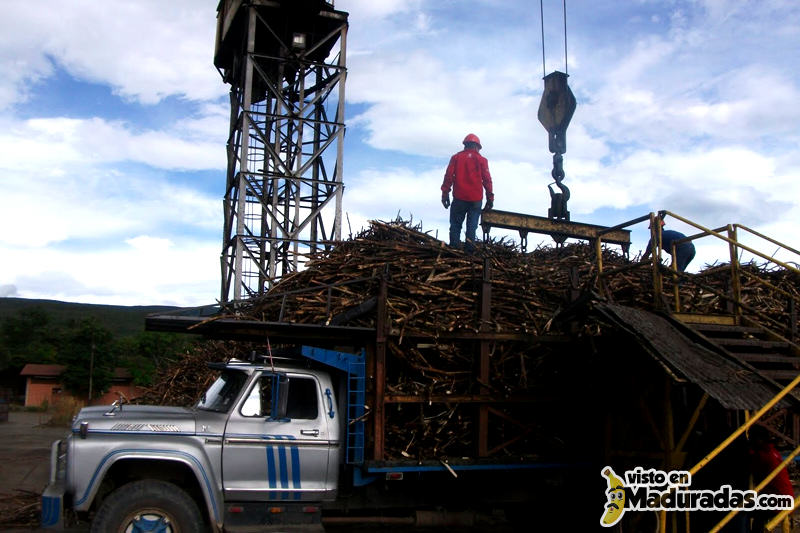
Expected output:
(446, 200)
(489, 203)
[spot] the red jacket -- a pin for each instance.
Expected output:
(763, 461)
(468, 174)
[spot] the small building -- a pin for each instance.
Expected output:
(43, 385)
(121, 382)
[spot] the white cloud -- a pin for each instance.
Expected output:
(185, 274)
(381, 194)
(147, 244)
(7, 291)
(720, 182)
(667, 90)
(146, 50)
(97, 204)
(87, 210)
(58, 142)
(75, 172)
(362, 10)
(430, 112)
(711, 188)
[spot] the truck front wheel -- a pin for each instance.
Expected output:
(148, 505)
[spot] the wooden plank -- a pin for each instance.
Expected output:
(751, 343)
(725, 328)
(768, 358)
(781, 374)
(688, 318)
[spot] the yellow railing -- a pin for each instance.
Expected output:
(729, 235)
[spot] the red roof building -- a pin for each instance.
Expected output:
(43, 385)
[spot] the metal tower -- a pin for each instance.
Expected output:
(285, 62)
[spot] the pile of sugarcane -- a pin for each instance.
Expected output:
(432, 288)
(183, 382)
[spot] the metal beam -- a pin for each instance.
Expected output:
(554, 228)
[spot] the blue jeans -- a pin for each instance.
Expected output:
(684, 254)
(458, 210)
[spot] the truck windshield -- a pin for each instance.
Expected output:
(223, 392)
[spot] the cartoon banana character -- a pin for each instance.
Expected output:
(615, 507)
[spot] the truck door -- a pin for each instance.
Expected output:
(276, 444)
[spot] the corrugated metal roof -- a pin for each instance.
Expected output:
(733, 383)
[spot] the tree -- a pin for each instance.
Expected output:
(29, 337)
(86, 351)
(148, 351)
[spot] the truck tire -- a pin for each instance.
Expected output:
(148, 505)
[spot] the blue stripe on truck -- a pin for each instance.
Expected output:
(278, 468)
(296, 470)
(271, 467)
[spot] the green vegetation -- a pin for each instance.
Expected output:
(120, 320)
(84, 338)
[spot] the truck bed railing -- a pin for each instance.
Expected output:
(356, 369)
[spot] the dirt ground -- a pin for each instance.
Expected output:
(25, 451)
(25, 457)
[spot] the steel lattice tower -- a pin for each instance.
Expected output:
(285, 62)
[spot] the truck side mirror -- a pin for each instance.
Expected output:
(280, 391)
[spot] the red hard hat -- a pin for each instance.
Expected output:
(472, 138)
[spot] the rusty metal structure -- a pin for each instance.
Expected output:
(286, 64)
(559, 230)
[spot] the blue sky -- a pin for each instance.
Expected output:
(113, 123)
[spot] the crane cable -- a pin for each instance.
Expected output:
(541, 18)
(541, 15)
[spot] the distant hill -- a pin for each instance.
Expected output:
(121, 320)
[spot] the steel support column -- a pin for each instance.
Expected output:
(379, 374)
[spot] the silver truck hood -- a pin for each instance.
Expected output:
(137, 419)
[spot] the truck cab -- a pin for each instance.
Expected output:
(281, 441)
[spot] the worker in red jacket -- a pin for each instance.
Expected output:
(468, 176)
(764, 458)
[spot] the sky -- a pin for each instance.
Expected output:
(113, 122)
